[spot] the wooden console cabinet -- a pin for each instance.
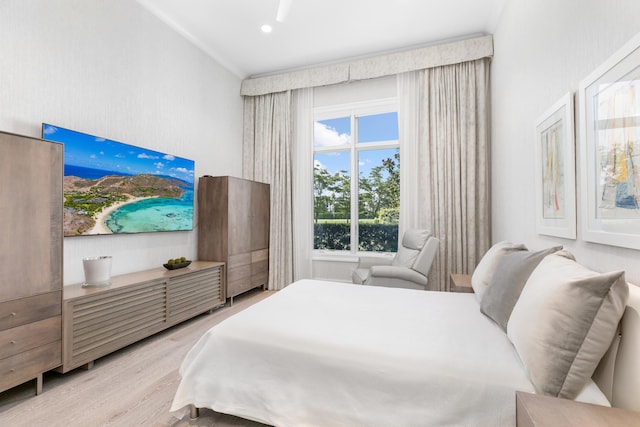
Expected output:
(100, 320)
(233, 221)
(30, 259)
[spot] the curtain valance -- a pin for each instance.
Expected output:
(379, 66)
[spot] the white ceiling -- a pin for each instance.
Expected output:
(319, 31)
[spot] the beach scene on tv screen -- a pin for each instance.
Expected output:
(115, 188)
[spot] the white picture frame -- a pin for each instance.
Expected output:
(610, 150)
(555, 171)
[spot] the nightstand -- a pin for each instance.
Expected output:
(461, 283)
(534, 410)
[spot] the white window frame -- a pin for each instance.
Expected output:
(353, 110)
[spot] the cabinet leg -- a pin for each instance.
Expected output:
(88, 366)
(38, 384)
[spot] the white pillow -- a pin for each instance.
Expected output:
(564, 321)
(486, 268)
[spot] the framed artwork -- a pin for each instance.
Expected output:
(610, 150)
(555, 171)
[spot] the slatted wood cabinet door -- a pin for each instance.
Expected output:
(30, 258)
(191, 294)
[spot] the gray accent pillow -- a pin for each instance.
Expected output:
(486, 268)
(564, 322)
(506, 284)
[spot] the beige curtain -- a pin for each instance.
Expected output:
(302, 188)
(454, 147)
(267, 158)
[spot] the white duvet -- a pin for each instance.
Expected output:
(332, 354)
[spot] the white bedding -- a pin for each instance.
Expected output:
(332, 354)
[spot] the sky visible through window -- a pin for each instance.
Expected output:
(337, 133)
(367, 196)
(93, 152)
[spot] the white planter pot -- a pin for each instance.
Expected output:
(97, 271)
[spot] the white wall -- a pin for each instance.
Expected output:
(112, 69)
(543, 49)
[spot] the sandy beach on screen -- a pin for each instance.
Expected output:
(100, 227)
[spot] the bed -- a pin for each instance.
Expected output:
(334, 354)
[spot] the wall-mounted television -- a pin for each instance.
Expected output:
(116, 188)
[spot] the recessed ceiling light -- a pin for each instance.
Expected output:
(266, 28)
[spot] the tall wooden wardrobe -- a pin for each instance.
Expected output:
(233, 226)
(31, 201)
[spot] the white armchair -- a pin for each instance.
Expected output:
(408, 269)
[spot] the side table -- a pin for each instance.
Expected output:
(533, 410)
(461, 283)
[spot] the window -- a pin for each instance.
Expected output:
(356, 181)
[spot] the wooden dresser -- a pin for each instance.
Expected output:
(233, 227)
(30, 258)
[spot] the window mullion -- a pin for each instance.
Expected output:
(354, 185)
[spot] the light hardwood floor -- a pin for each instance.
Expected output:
(131, 387)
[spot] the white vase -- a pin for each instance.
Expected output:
(97, 271)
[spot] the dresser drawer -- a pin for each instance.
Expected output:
(238, 286)
(260, 279)
(261, 255)
(25, 337)
(239, 275)
(260, 267)
(238, 260)
(31, 309)
(25, 366)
